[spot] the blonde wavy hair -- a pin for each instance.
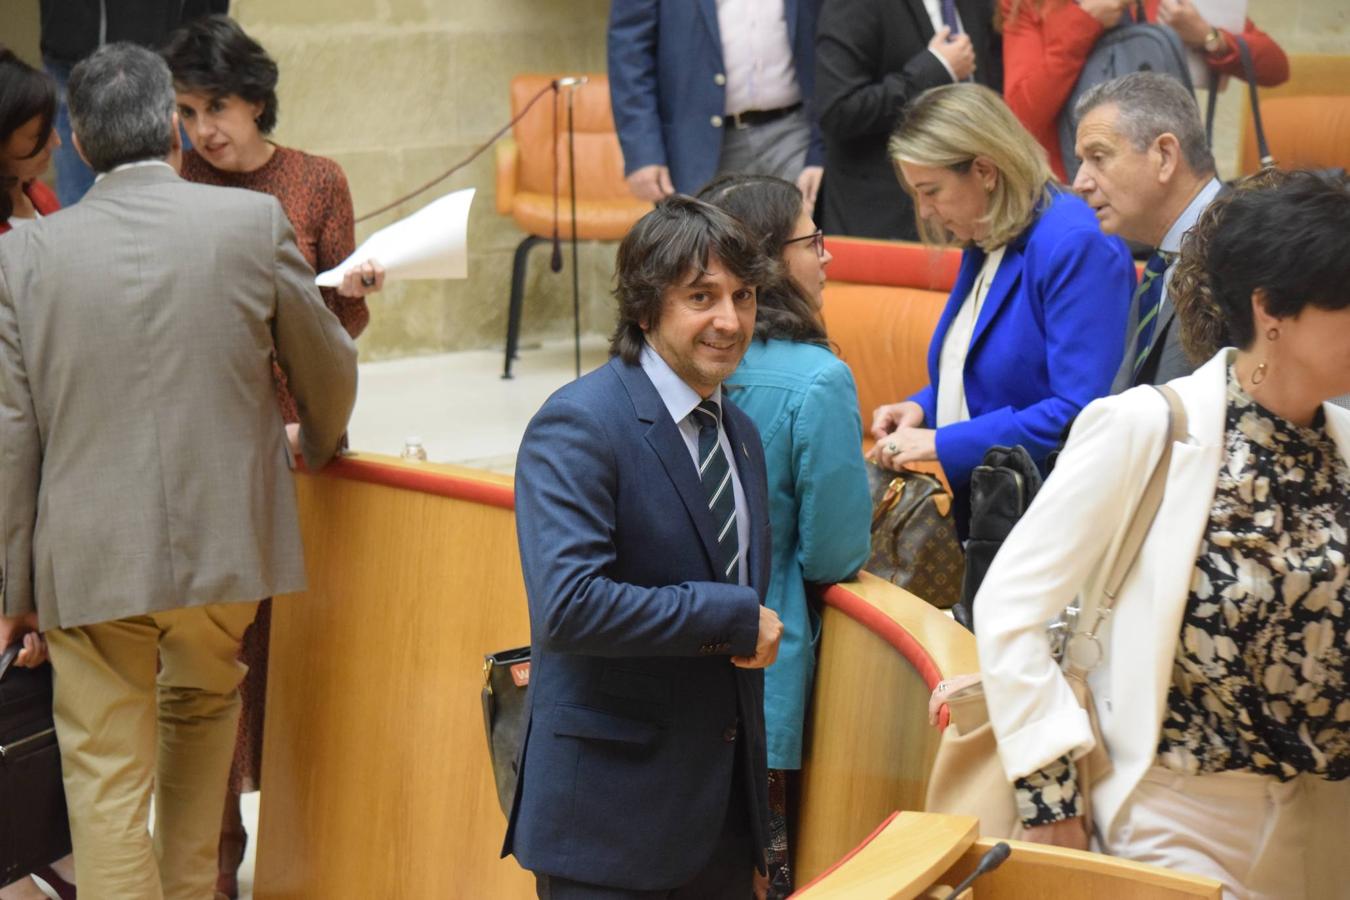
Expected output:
(948, 127)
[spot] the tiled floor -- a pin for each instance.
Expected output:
(464, 412)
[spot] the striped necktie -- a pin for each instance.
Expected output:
(1148, 298)
(714, 471)
(949, 17)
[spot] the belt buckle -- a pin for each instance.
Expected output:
(738, 122)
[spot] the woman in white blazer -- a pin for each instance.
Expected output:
(1224, 694)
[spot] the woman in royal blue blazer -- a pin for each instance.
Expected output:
(802, 399)
(1035, 325)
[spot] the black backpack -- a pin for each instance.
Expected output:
(1132, 46)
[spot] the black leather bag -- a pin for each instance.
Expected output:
(506, 681)
(1001, 489)
(34, 829)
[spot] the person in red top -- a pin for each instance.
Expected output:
(227, 103)
(27, 139)
(1046, 42)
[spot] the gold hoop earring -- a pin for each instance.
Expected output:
(1272, 333)
(1259, 373)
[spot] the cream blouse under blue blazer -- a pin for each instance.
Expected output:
(1047, 341)
(803, 400)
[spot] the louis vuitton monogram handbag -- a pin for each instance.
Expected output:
(914, 543)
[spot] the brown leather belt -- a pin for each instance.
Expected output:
(753, 117)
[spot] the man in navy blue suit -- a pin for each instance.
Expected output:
(641, 510)
(708, 87)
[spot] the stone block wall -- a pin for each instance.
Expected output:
(397, 91)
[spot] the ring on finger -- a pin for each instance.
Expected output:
(368, 280)
(891, 448)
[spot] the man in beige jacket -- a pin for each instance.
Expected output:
(146, 501)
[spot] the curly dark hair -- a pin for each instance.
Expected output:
(1284, 234)
(24, 93)
(213, 56)
(769, 207)
(664, 248)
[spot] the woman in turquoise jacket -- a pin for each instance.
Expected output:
(803, 400)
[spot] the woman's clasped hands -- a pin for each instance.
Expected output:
(900, 438)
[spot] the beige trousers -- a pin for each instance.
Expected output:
(126, 733)
(1249, 831)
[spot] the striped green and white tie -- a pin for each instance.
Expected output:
(714, 470)
(1148, 298)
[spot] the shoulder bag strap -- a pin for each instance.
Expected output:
(1211, 106)
(1078, 664)
(1249, 72)
(1151, 500)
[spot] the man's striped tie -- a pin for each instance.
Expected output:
(1148, 301)
(715, 472)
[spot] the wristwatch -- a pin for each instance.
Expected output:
(1214, 42)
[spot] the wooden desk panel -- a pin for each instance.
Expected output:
(376, 775)
(868, 747)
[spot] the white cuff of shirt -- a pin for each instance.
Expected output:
(950, 73)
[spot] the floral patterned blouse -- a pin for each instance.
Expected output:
(1261, 678)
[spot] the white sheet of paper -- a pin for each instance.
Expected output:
(431, 243)
(1230, 15)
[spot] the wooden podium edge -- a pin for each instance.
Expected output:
(847, 856)
(442, 480)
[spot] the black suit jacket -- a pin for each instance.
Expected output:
(872, 59)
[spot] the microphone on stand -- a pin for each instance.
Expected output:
(988, 863)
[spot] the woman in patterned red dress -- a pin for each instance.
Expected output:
(227, 102)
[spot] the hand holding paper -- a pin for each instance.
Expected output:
(431, 243)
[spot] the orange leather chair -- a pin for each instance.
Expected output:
(882, 303)
(1306, 119)
(529, 162)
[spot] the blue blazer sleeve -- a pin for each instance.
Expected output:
(566, 515)
(834, 508)
(634, 29)
(1078, 282)
(926, 397)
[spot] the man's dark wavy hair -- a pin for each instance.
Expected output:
(213, 56)
(670, 245)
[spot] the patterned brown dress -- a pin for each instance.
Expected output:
(314, 195)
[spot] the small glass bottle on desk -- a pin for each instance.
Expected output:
(413, 450)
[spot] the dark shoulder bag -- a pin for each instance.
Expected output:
(506, 682)
(34, 829)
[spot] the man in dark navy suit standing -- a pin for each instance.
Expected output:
(641, 509)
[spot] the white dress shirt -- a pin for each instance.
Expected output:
(140, 164)
(681, 400)
(756, 55)
(951, 389)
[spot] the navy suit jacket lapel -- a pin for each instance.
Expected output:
(709, 10)
(750, 486)
(664, 437)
